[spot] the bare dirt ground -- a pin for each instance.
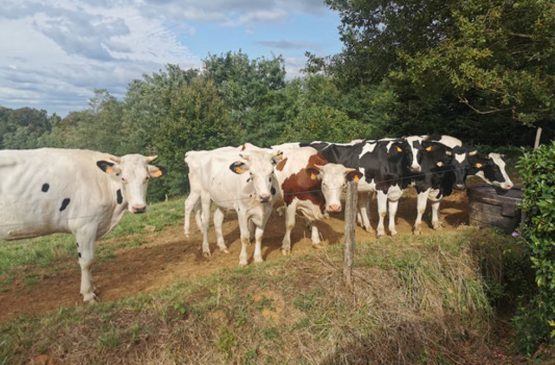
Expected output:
(167, 257)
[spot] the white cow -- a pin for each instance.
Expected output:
(82, 192)
(243, 181)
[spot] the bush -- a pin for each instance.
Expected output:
(537, 169)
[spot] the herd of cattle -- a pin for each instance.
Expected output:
(85, 193)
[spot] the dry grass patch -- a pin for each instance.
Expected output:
(415, 300)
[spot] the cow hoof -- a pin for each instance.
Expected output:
(285, 252)
(393, 233)
(417, 232)
(380, 234)
(224, 250)
(90, 298)
(436, 226)
(317, 245)
(243, 263)
(206, 254)
(258, 260)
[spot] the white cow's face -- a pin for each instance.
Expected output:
(260, 166)
(133, 172)
(334, 179)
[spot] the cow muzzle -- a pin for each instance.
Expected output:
(264, 198)
(334, 208)
(415, 168)
(138, 209)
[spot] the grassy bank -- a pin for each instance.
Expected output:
(416, 300)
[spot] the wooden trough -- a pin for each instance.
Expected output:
(488, 208)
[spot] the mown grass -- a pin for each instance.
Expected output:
(415, 301)
(44, 251)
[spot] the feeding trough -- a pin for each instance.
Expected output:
(488, 208)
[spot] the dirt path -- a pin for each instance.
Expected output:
(167, 257)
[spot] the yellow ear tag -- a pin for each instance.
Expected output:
(429, 148)
(356, 178)
(313, 176)
(399, 149)
(478, 165)
(238, 169)
(156, 173)
(109, 170)
(439, 163)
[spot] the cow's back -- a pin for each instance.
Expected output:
(50, 190)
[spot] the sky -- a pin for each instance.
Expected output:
(54, 53)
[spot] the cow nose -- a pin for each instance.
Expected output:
(459, 186)
(415, 168)
(508, 186)
(138, 208)
(334, 208)
(264, 198)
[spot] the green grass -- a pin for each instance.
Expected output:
(44, 251)
(415, 300)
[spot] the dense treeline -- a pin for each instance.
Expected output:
(483, 71)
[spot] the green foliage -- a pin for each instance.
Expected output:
(537, 169)
(456, 67)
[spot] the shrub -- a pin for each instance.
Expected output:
(537, 169)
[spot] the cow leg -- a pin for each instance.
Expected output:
(435, 214)
(421, 201)
(259, 232)
(244, 232)
(86, 241)
(218, 221)
(252, 228)
(382, 210)
(289, 225)
(392, 211)
(190, 204)
(205, 204)
(315, 235)
(364, 205)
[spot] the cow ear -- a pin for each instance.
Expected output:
(156, 171)
(239, 167)
(313, 172)
(108, 167)
(354, 175)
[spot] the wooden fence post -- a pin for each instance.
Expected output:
(350, 225)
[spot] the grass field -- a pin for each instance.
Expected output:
(416, 300)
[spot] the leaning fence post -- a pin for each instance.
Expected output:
(350, 224)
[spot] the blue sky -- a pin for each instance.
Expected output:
(55, 52)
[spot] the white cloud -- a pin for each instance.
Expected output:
(55, 52)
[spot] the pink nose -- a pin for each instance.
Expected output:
(334, 208)
(509, 186)
(265, 198)
(138, 208)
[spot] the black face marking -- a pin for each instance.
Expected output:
(273, 190)
(45, 187)
(77, 243)
(119, 197)
(65, 203)
(79, 254)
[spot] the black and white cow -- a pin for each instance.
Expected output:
(383, 164)
(457, 162)
(82, 192)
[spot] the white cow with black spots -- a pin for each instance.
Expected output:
(45, 191)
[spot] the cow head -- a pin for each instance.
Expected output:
(334, 177)
(460, 166)
(491, 168)
(260, 166)
(132, 172)
(412, 147)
